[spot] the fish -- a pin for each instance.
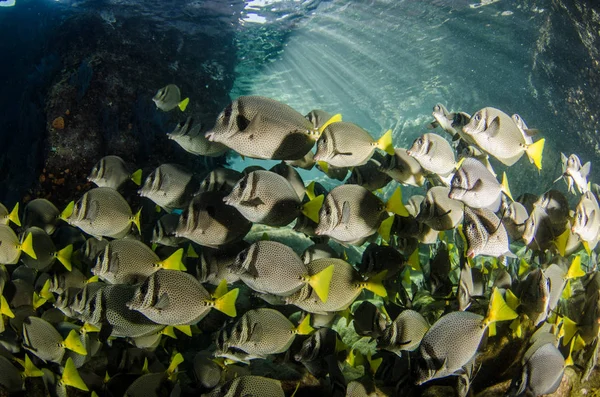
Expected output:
(434, 153)
(405, 333)
(377, 258)
(164, 231)
(370, 320)
(102, 212)
(268, 198)
(7, 216)
(41, 213)
(261, 332)
(586, 222)
(264, 128)
(273, 268)
(485, 234)
(306, 163)
(575, 173)
(170, 186)
(439, 211)
(210, 222)
(404, 169)
(169, 98)
(292, 176)
(498, 135)
(539, 231)
(534, 295)
(129, 261)
(345, 286)
(248, 385)
(474, 185)
(515, 216)
(556, 206)
(350, 213)
(45, 251)
(318, 251)
(172, 297)
(11, 247)
(466, 286)
(344, 144)
(525, 131)
(42, 339)
(212, 266)
(220, 180)
(190, 137)
(453, 340)
(111, 171)
(369, 175)
(451, 122)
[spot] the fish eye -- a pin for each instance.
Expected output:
(144, 289)
(477, 117)
(242, 256)
(420, 141)
(436, 108)
(243, 183)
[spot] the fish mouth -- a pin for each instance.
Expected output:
(210, 135)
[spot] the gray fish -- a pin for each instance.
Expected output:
(557, 279)
(220, 180)
(190, 137)
(515, 216)
(498, 135)
(525, 131)
(369, 175)
(344, 144)
(534, 295)
(474, 185)
(7, 216)
(434, 153)
(292, 176)
(485, 234)
(128, 261)
(543, 369)
(306, 163)
(556, 206)
(11, 247)
(172, 297)
(439, 211)
(102, 212)
(169, 97)
(318, 251)
(42, 339)
(170, 187)
(539, 231)
(263, 128)
(210, 222)
(451, 122)
(41, 213)
(45, 251)
(405, 333)
(248, 386)
(111, 171)
(575, 173)
(370, 320)
(586, 222)
(164, 231)
(404, 169)
(213, 265)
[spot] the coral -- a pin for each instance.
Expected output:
(58, 123)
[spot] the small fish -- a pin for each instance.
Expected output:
(587, 220)
(404, 169)
(129, 261)
(248, 385)
(260, 333)
(474, 185)
(7, 216)
(434, 153)
(41, 213)
(292, 176)
(534, 295)
(575, 173)
(220, 180)
(42, 339)
(11, 247)
(213, 264)
(172, 297)
(318, 251)
(405, 333)
(306, 163)
(452, 341)
(190, 137)
(273, 268)
(170, 187)
(45, 251)
(169, 97)
(370, 320)
(351, 213)
(556, 206)
(451, 122)
(102, 212)
(439, 211)
(485, 234)
(377, 258)
(210, 222)
(539, 231)
(111, 171)
(344, 144)
(525, 131)
(515, 216)
(263, 128)
(498, 135)
(268, 198)
(164, 231)
(369, 175)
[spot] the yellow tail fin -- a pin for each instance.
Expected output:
(561, 242)
(70, 376)
(395, 204)
(334, 119)
(492, 330)
(523, 267)
(310, 190)
(72, 342)
(567, 293)
(575, 269)
(175, 361)
(221, 289)
(413, 261)
(375, 284)
(385, 229)
(27, 246)
(136, 177)
(87, 328)
(516, 327)
(45, 291)
(173, 262)
(534, 152)
(226, 303)
(511, 300)
(68, 211)
(191, 252)
(145, 369)
(385, 143)
(498, 309)
(505, 187)
(186, 329)
(183, 104)
(169, 331)
(30, 370)
(324, 166)
(320, 282)
(14, 215)
(304, 327)
(136, 220)
(5, 308)
(374, 364)
(37, 301)
(569, 328)
(586, 247)
(64, 256)
(312, 208)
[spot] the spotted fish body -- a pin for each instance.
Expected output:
(474, 185)
(190, 137)
(110, 171)
(404, 169)
(41, 213)
(405, 333)
(248, 386)
(434, 153)
(440, 212)
(170, 187)
(263, 128)
(485, 233)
